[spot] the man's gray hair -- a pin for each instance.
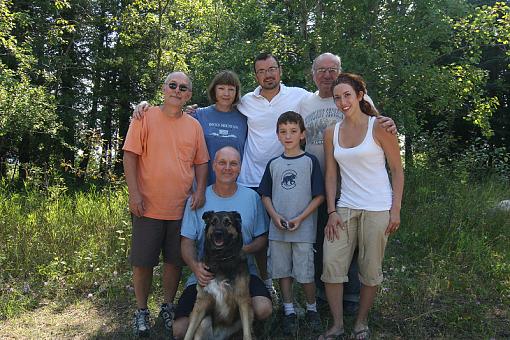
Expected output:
(327, 54)
(171, 74)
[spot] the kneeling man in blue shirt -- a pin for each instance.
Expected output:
(224, 195)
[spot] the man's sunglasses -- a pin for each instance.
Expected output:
(182, 87)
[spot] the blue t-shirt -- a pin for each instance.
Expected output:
(221, 129)
(292, 183)
(245, 201)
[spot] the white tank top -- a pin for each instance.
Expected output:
(364, 179)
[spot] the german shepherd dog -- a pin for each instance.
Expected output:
(223, 307)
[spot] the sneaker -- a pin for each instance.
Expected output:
(274, 294)
(167, 314)
(314, 320)
(141, 323)
(289, 324)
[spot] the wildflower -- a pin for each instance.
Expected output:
(26, 288)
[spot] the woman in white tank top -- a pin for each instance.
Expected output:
(369, 206)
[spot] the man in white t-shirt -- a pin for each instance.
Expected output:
(262, 107)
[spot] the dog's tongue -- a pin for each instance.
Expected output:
(218, 239)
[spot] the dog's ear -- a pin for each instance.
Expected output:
(239, 221)
(207, 216)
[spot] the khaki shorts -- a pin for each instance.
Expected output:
(365, 230)
(292, 259)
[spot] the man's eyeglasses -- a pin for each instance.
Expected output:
(322, 70)
(271, 70)
(182, 87)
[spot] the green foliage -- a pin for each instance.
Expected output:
(487, 25)
(60, 244)
(430, 65)
(24, 109)
(448, 265)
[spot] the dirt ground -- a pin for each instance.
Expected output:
(82, 320)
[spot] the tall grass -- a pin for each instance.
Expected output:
(56, 244)
(447, 270)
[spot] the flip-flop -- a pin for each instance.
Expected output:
(362, 334)
(338, 336)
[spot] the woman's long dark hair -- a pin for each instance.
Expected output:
(359, 85)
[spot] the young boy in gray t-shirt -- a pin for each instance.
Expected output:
(292, 188)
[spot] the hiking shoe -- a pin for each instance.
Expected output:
(314, 320)
(141, 323)
(290, 324)
(167, 314)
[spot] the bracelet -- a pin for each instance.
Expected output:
(329, 213)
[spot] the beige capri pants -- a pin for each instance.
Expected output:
(366, 230)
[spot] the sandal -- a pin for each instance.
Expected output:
(339, 336)
(362, 334)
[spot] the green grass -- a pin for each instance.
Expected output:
(447, 271)
(61, 246)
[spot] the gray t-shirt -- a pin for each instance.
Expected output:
(292, 182)
(318, 113)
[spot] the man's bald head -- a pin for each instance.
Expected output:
(227, 150)
(227, 165)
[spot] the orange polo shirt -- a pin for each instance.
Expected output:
(168, 148)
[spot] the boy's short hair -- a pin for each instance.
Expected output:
(290, 117)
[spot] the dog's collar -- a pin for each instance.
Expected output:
(225, 258)
(222, 259)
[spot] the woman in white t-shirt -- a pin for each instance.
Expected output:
(369, 206)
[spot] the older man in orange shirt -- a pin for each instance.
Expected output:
(163, 153)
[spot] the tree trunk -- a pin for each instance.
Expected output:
(408, 148)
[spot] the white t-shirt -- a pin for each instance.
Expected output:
(262, 142)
